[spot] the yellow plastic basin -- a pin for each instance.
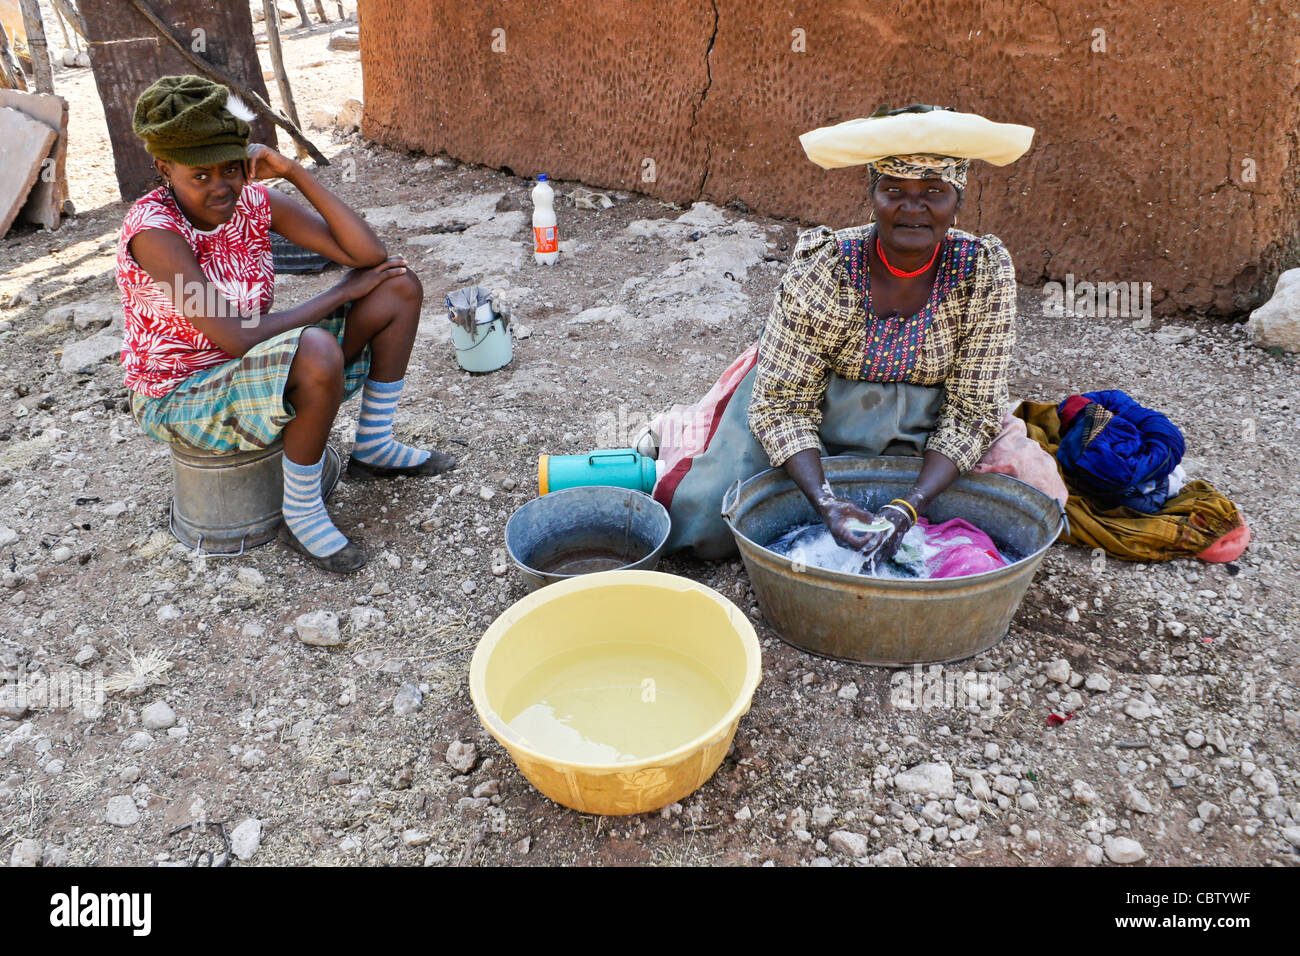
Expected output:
(617, 692)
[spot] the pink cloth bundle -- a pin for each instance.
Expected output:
(957, 548)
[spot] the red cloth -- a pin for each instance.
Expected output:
(161, 348)
(1071, 407)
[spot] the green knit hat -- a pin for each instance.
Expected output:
(184, 119)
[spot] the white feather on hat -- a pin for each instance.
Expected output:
(938, 132)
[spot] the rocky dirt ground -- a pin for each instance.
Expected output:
(1181, 677)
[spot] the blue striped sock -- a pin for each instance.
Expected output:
(375, 444)
(304, 510)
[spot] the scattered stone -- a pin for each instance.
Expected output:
(168, 612)
(1276, 323)
(1072, 614)
(1123, 850)
(966, 808)
(319, 629)
(1175, 335)
(822, 815)
(848, 692)
(363, 617)
(1093, 855)
(1138, 709)
(852, 845)
(26, 853)
(251, 577)
(1083, 793)
(350, 115)
(414, 838)
(1097, 683)
(462, 756)
(137, 742)
(1291, 835)
(346, 39)
(158, 716)
(1137, 801)
(1003, 783)
(744, 815)
(252, 758)
(54, 856)
(61, 554)
(121, 812)
(1207, 811)
(1194, 739)
(246, 838)
(927, 778)
(486, 493)
(338, 778)
(86, 655)
(1264, 781)
(1058, 670)
(408, 701)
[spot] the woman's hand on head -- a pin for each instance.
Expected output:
(360, 282)
(266, 163)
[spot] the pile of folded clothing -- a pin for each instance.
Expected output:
(1121, 463)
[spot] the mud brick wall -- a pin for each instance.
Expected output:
(1166, 151)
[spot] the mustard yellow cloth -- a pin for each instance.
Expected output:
(1186, 526)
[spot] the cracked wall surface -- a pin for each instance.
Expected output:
(1166, 151)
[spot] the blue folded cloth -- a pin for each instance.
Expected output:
(1118, 452)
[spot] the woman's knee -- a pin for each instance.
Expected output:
(319, 359)
(407, 288)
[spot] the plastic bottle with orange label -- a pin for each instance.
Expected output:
(546, 239)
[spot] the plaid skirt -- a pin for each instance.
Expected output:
(240, 405)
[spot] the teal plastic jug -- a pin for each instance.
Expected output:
(620, 467)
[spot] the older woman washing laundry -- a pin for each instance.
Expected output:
(209, 364)
(891, 337)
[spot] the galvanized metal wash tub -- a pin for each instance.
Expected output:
(576, 531)
(888, 621)
(224, 504)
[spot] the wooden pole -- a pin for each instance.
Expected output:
(71, 14)
(11, 74)
(320, 11)
(303, 19)
(40, 53)
(64, 28)
(211, 71)
(277, 60)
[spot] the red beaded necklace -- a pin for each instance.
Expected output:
(880, 251)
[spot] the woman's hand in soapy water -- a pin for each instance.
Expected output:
(880, 543)
(849, 525)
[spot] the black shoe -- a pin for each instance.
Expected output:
(435, 464)
(350, 558)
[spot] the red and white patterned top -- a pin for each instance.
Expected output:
(161, 348)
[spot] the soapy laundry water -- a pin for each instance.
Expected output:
(955, 548)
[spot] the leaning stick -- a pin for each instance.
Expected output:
(213, 72)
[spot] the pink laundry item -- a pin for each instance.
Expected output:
(957, 548)
(1229, 547)
(684, 430)
(1015, 454)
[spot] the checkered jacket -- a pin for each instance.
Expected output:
(818, 325)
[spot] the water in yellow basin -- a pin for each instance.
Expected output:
(611, 703)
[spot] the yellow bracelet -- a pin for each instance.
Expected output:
(909, 507)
